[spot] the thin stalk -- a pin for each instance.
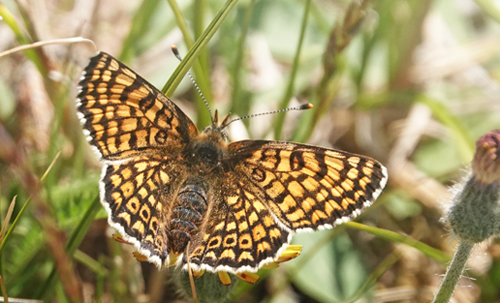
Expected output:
(72, 244)
(99, 288)
(340, 37)
(454, 272)
(280, 119)
(236, 106)
(200, 72)
(21, 212)
(200, 43)
(25, 47)
(4, 291)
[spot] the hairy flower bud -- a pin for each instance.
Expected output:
(486, 164)
(474, 215)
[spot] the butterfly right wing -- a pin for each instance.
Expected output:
(138, 195)
(139, 134)
(124, 116)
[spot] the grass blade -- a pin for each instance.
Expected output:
(74, 241)
(280, 119)
(21, 212)
(139, 26)
(193, 53)
(490, 8)
(10, 20)
(374, 276)
(395, 237)
(202, 76)
(7, 217)
(237, 106)
(463, 139)
(90, 263)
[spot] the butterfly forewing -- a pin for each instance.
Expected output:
(123, 115)
(308, 187)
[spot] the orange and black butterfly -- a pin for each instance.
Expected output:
(171, 190)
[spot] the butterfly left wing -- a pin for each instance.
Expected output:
(273, 189)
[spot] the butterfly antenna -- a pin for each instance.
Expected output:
(300, 107)
(178, 56)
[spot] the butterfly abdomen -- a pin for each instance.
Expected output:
(187, 215)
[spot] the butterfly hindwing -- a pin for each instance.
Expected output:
(242, 234)
(123, 115)
(136, 196)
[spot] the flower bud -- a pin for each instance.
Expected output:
(486, 164)
(474, 215)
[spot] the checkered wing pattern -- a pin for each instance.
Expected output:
(229, 207)
(140, 134)
(309, 187)
(277, 188)
(123, 115)
(242, 234)
(138, 196)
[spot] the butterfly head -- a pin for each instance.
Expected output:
(216, 131)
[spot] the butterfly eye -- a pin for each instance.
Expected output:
(224, 135)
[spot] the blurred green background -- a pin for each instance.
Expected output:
(410, 83)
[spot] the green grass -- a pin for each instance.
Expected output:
(367, 67)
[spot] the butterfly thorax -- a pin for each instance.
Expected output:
(206, 152)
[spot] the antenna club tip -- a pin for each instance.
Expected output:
(174, 50)
(306, 106)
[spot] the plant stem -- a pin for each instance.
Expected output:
(280, 119)
(454, 272)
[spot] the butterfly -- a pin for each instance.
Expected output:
(175, 192)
